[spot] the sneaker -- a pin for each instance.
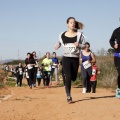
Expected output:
(69, 99)
(118, 93)
(47, 86)
(30, 87)
(57, 83)
(84, 90)
(34, 85)
(16, 85)
(50, 84)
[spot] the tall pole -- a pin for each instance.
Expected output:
(39, 54)
(18, 54)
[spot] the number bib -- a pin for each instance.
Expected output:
(86, 64)
(71, 47)
(20, 71)
(93, 72)
(29, 66)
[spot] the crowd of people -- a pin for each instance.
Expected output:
(76, 53)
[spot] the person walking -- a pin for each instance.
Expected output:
(87, 58)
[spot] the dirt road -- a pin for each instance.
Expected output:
(50, 104)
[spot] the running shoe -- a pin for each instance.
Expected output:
(50, 84)
(57, 83)
(118, 93)
(30, 87)
(16, 85)
(69, 99)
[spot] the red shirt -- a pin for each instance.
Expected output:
(94, 73)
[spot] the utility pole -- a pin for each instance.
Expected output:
(18, 54)
(39, 54)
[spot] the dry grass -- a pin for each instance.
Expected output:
(108, 75)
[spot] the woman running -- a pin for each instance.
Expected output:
(54, 68)
(46, 63)
(72, 41)
(19, 74)
(35, 68)
(30, 63)
(86, 58)
(115, 44)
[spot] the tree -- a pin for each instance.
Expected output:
(111, 51)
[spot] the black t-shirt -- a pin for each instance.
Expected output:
(115, 36)
(19, 70)
(68, 39)
(29, 61)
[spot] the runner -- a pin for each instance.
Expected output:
(30, 63)
(19, 74)
(115, 43)
(39, 75)
(72, 41)
(35, 68)
(46, 63)
(54, 68)
(86, 58)
(93, 79)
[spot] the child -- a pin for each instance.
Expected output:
(39, 75)
(93, 79)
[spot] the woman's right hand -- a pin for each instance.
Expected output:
(116, 46)
(56, 46)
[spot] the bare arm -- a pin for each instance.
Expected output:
(93, 58)
(57, 46)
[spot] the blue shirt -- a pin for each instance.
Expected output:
(55, 60)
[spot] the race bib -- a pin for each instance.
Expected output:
(70, 46)
(20, 71)
(93, 72)
(36, 64)
(49, 68)
(29, 66)
(54, 65)
(86, 64)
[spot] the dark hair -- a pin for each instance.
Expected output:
(28, 53)
(69, 19)
(54, 52)
(34, 52)
(31, 56)
(87, 43)
(78, 25)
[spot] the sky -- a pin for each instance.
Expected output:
(34, 25)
